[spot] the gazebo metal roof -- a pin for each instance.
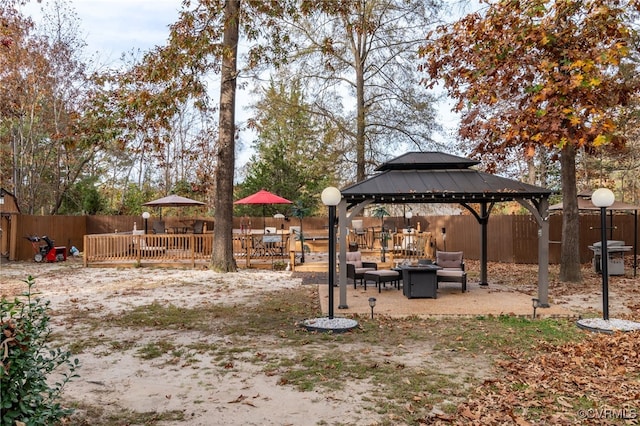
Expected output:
(437, 177)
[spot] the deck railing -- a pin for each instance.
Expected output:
(249, 250)
(180, 249)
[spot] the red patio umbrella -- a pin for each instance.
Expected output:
(263, 197)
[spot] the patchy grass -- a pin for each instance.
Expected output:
(410, 366)
(157, 349)
(91, 415)
(495, 334)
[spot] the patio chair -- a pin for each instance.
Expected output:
(159, 227)
(360, 233)
(356, 268)
(140, 243)
(198, 227)
(452, 264)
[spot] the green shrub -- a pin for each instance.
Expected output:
(26, 360)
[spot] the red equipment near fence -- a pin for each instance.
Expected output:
(47, 251)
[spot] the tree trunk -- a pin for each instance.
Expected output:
(360, 122)
(570, 253)
(531, 165)
(222, 257)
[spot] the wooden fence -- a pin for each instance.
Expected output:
(510, 238)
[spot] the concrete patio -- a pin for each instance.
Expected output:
(478, 300)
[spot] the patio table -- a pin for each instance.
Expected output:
(420, 281)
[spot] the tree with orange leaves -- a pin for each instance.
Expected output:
(534, 73)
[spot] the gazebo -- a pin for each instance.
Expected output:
(436, 177)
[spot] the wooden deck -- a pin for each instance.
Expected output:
(181, 250)
(249, 250)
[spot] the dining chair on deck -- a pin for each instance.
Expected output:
(360, 234)
(198, 227)
(159, 227)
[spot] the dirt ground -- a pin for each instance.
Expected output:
(248, 396)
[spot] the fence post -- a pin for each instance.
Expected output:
(249, 247)
(192, 244)
(85, 243)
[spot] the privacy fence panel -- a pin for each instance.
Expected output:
(511, 238)
(63, 230)
(524, 238)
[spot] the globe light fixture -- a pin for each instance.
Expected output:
(146, 216)
(603, 197)
(408, 215)
(331, 196)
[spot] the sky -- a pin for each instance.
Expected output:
(113, 27)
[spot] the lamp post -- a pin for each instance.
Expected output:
(331, 197)
(444, 239)
(408, 215)
(280, 217)
(146, 216)
(604, 198)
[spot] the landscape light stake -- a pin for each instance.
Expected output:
(372, 303)
(536, 303)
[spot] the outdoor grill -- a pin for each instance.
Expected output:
(615, 253)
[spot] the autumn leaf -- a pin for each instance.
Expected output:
(600, 140)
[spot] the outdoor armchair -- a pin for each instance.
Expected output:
(356, 268)
(452, 264)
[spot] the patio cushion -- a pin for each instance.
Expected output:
(450, 273)
(355, 258)
(385, 273)
(449, 259)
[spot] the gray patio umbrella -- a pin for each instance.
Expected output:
(173, 201)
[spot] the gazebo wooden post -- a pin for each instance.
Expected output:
(484, 220)
(342, 256)
(344, 221)
(540, 210)
(543, 253)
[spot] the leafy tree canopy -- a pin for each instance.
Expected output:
(536, 72)
(293, 150)
(539, 73)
